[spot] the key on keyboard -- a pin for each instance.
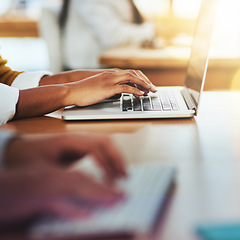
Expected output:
(160, 101)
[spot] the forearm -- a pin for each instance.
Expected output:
(67, 77)
(42, 100)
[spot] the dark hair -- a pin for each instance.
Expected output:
(138, 19)
(64, 13)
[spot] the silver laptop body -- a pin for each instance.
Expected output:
(168, 102)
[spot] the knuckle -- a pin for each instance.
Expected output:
(128, 74)
(130, 71)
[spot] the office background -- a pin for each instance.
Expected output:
(26, 50)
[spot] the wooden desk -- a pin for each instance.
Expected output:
(205, 151)
(167, 66)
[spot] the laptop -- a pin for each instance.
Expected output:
(168, 102)
(148, 191)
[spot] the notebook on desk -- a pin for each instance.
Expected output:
(147, 189)
(168, 102)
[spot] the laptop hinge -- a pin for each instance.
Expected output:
(190, 103)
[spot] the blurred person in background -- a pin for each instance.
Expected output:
(87, 28)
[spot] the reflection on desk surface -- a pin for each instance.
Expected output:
(205, 150)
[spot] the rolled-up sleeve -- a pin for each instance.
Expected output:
(28, 80)
(8, 102)
(20, 80)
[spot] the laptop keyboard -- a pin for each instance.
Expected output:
(160, 101)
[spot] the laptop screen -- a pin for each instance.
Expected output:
(197, 66)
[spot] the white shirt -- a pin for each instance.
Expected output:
(9, 98)
(96, 25)
(8, 101)
(9, 95)
(28, 80)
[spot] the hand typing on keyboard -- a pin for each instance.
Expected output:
(107, 84)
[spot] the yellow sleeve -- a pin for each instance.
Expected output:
(7, 75)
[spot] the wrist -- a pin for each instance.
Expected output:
(65, 91)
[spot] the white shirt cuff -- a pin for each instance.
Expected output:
(5, 138)
(27, 80)
(8, 102)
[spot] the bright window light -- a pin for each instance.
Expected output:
(226, 37)
(153, 7)
(186, 8)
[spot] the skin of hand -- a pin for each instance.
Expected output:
(74, 76)
(64, 150)
(77, 75)
(26, 194)
(45, 99)
(71, 76)
(107, 84)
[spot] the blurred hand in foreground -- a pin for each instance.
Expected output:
(25, 195)
(64, 150)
